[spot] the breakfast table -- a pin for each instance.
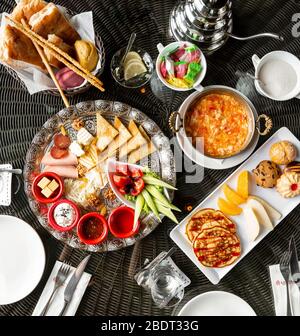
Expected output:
(112, 290)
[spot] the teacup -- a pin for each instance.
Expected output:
(277, 75)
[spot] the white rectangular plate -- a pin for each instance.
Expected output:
(283, 205)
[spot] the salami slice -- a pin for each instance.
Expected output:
(62, 141)
(58, 153)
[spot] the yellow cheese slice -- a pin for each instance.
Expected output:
(147, 149)
(105, 132)
(123, 136)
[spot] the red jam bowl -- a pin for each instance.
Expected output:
(37, 191)
(53, 222)
(92, 228)
(120, 222)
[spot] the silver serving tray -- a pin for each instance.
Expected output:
(162, 161)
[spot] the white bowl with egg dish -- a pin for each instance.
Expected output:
(219, 121)
(277, 75)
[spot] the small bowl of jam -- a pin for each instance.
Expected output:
(92, 228)
(121, 222)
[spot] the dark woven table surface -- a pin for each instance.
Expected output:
(113, 292)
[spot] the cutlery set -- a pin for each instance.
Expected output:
(289, 268)
(60, 279)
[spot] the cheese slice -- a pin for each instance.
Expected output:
(123, 136)
(87, 162)
(134, 130)
(139, 153)
(137, 141)
(105, 132)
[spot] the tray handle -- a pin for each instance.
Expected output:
(268, 124)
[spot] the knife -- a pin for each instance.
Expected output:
(72, 284)
(294, 263)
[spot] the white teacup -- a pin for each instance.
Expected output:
(278, 75)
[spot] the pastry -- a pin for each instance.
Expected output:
(288, 185)
(26, 8)
(283, 152)
(15, 46)
(87, 54)
(50, 20)
(61, 45)
(266, 174)
(292, 167)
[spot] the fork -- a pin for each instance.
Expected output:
(59, 280)
(285, 271)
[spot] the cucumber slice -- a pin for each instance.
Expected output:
(139, 204)
(154, 181)
(160, 197)
(150, 203)
(165, 211)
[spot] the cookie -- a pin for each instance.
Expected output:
(266, 174)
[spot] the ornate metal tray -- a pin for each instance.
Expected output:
(162, 161)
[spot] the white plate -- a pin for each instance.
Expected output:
(283, 205)
(208, 162)
(217, 303)
(22, 259)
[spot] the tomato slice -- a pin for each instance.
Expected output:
(138, 186)
(136, 173)
(121, 180)
(123, 170)
(123, 190)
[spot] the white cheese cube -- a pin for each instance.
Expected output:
(84, 137)
(76, 149)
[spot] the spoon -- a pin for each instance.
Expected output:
(241, 73)
(272, 35)
(12, 171)
(128, 48)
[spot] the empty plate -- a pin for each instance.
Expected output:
(216, 303)
(22, 259)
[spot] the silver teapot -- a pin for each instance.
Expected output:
(207, 23)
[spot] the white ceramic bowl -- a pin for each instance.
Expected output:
(163, 51)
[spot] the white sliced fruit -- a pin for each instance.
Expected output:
(132, 55)
(252, 224)
(134, 69)
(273, 213)
(260, 213)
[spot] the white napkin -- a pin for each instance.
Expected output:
(35, 79)
(58, 300)
(279, 293)
(5, 185)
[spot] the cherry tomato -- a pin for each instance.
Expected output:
(121, 180)
(136, 173)
(138, 186)
(123, 170)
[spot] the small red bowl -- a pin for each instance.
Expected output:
(120, 222)
(52, 221)
(102, 227)
(36, 191)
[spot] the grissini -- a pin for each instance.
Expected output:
(63, 57)
(48, 67)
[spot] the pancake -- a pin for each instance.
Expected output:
(216, 247)
(204, 217)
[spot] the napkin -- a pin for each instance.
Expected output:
(58, 300)
(35, 79)
(279, 293)
(5, 185)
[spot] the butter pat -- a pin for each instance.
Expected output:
(53, 185)
(43, 183)
(47, 192)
